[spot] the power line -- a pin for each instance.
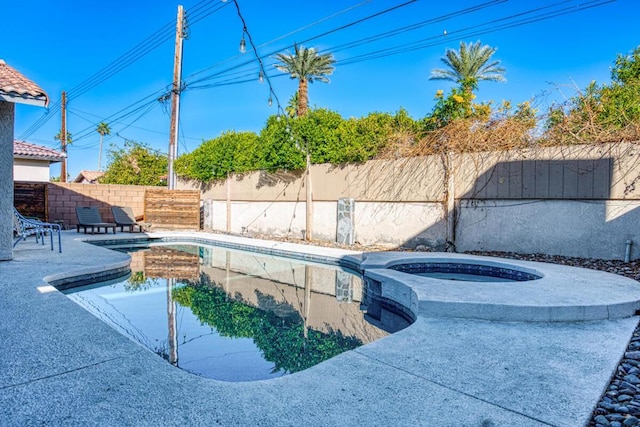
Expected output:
(305, 27)
(200, 11)
(466, 32)
(339, 28)
(435, 40)
(75, 111)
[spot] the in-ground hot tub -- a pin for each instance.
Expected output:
(467, 286)
(471, 272)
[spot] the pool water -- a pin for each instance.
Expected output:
(237, 316)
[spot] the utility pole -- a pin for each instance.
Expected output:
(63, 138)
(175, 97)
(308, 235)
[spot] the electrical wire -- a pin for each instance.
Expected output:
(156, 39)
(441, 39)
(305, 27)
(331, 31)
(76, 111)
(238, 75)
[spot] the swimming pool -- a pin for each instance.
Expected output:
(234, 315)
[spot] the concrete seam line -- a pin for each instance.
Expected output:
(452, 389)
(46, 377)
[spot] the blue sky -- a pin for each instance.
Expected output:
(384, 59)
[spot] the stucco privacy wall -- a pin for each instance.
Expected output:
(577, 201)
(7, 112)
(387, 193)
(581, 228)
(64, 197)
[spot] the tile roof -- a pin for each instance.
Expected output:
(26, 150)
(88, 176)
(14, 87)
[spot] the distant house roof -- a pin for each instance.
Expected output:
(14, 87)
(26, 150)
(88, 177)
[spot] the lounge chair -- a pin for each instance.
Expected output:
(123, 216)
(89, 217)
(24, 227)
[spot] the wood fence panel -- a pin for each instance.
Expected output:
(492, 182)
(30, 199)
(541, 176)
(585, 179)
(528, 179)
(515, 180)
(570, 180)
(556, 179)
(480, 187)
(602, 179)
(503, 172)
(172, 209)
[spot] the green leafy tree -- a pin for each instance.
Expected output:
(103, 129)
(307, 66)
(455, 106)
(231, 152)
(601, 113)
(283, 144)
(135, 164)
(627, 68)
(281, 149)
(469, 65)
(362, 138)
(317, 133)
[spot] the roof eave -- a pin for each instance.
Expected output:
(39, 101)
(49, 159)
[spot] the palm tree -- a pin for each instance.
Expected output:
(292, 107)
(58, 137)
(469, 65)
(103, 129)
(63, 148)
(307, 66)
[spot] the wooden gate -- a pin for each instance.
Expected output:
(30, 199)
(172, 209)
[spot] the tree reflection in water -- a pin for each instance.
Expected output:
(281, 339)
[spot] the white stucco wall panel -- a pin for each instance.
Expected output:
(588, 229)
(277, 219)
(400, 224)
(31, 170)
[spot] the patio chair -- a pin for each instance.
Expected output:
(89, 217)
(24, 227)
(123, 216)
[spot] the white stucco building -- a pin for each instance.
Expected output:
(31, 162)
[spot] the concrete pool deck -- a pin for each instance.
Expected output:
(63, 366)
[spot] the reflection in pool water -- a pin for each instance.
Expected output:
(237, 316)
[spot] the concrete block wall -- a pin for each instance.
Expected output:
(64, 197)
